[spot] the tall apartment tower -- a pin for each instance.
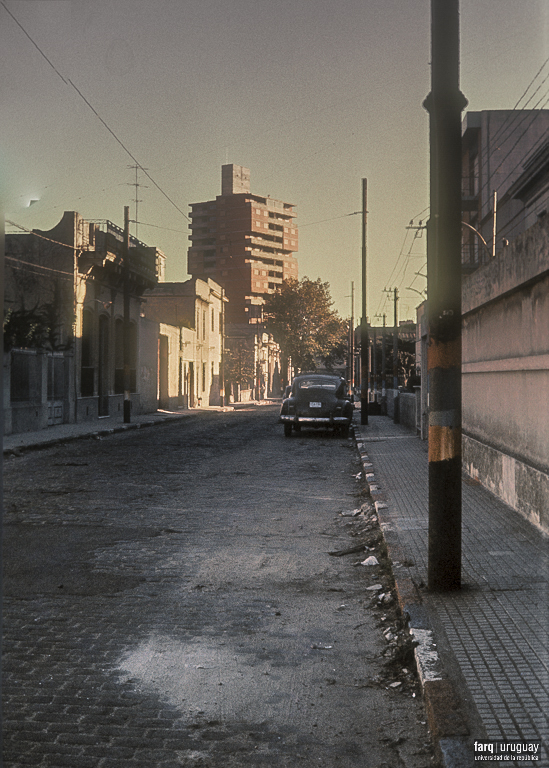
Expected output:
(245, 242)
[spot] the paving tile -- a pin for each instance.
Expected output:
(497, 629)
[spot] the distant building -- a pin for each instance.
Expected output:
(190, 342)
(505, 157)
(245, 242)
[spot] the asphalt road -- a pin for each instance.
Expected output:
(169, 600)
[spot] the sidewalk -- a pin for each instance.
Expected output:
(483, 653)
(110, 425)
(41, 438)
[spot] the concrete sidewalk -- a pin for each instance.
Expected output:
(112, 424)
(483, 653)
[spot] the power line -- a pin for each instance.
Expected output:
(159, 226)
(43, 237)
(68, 81)
(113, 134)
(542, 139)
(21, 27)
(36, 266)
(509, 119)
(515, 119)
(335, 218)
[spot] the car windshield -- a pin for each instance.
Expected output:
(328, 384)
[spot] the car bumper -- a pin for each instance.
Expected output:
(321, 420)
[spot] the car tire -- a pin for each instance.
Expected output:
(287, 430)
(297, 427)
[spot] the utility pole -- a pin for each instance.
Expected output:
(494, 222)
(127, 330)
(136, 184)
(396, 403)
(352, 343)
(373, 377)
(383, 363)
(364, 337)
(444, 103)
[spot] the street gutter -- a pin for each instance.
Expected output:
(446, 717)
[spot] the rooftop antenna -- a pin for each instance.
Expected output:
(136, 200)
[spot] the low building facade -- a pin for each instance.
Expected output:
(64, 322)
(190, 318)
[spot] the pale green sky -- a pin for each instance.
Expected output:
(311, 96)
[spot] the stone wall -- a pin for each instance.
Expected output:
(506, 374)
(409, 408)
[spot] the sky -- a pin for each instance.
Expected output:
(310, 95)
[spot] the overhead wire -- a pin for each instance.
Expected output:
(334, 218)
(36, 266)
(396, 271)
(68, 81)
(512, 123)
(43, 237)
(516, 111)
(535, 146)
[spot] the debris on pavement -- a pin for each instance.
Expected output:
(350, 513)
(348, 551)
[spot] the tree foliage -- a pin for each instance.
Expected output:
(37, 328)
(301, 319)
(238, 361)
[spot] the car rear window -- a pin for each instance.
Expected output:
(318, 384)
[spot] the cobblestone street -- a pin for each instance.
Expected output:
(170, 601)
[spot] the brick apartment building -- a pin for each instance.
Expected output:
(245, 242)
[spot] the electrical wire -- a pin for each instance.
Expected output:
(158, 226)
(68, 81)
(43, 237)
(531, 151)
(515, 119)
(37, 266)
(335, 218)
(22, 28)
(512, 116)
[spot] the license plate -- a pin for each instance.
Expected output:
(315, 405)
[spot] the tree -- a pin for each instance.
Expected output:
(238, 363)
(301, 319)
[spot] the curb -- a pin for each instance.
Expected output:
(445, 716)
(97, 433)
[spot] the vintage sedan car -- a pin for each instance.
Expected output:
(317, 400)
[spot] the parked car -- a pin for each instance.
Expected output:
(317, 400)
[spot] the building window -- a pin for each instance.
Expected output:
(213, 320)
(203, 377)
